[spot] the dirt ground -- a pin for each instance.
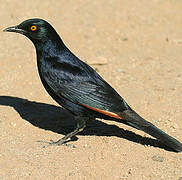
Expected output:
(137, 47)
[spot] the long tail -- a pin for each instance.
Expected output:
(136, 121)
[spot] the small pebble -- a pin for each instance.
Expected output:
(13, 124)
(158, 158)
(99, 61)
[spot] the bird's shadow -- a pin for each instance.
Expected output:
(57, 119)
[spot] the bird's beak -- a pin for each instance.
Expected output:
(14, 29)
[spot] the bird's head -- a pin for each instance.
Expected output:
(37, 30)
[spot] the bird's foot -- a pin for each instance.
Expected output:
(57, 143)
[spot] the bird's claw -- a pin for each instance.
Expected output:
(57, 143)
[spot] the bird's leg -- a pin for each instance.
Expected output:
(81, 124)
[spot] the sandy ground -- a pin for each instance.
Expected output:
(140, 43)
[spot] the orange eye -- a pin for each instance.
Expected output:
(33, 28)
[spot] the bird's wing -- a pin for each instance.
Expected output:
(98, 97)
(82, 85)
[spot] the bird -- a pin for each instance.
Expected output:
(77, 87)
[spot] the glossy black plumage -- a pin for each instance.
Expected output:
(78, 87)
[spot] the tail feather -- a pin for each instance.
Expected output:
(134, 120)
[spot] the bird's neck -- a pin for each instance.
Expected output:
(50, 48)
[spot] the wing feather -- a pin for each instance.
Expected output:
(83, 86)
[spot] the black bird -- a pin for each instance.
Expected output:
(79, 88)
